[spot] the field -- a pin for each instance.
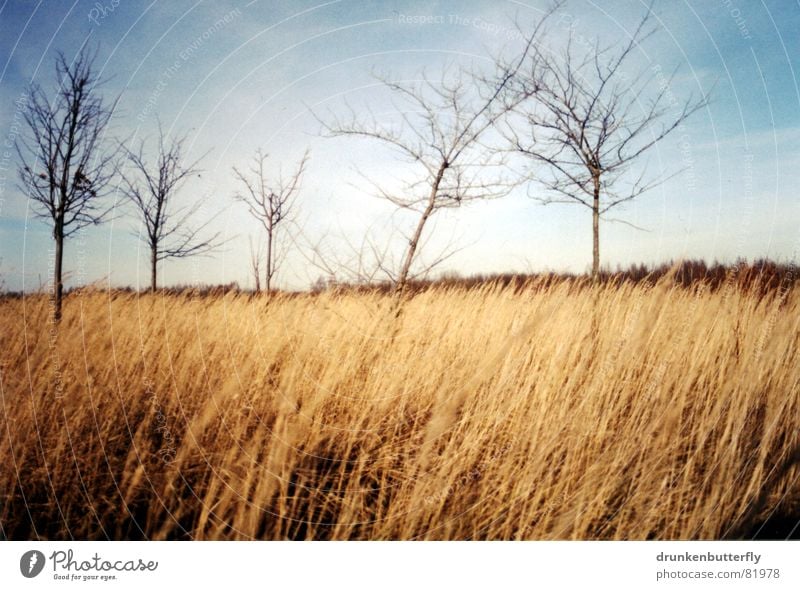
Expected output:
(559, 410)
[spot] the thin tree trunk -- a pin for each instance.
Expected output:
(414, 242)
(269, 260)
(153, 270)
(596, 232)
(257, 277)
(58, 286)
(596, 265)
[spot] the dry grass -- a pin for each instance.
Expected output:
(563, 412)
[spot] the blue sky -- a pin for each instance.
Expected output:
(250, 82)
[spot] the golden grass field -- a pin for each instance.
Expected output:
(559, 411)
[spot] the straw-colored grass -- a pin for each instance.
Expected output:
(555, 412)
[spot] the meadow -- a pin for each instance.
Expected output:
(553, 410)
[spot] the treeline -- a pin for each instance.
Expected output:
(761, 276)
(564, 119)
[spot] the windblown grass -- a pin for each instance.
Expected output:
(559, 412)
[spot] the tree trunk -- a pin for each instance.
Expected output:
(414, 242)
(58, 286)
(257, 278)
(269, 260)
(596, 232)
(153, 270)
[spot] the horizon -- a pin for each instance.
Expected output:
(763, 273)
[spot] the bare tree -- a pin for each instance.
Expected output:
(272, 202)
(255, 263)
(65, 167)
(588, 121)
(443, 131)
(169, 231)
(442, 125)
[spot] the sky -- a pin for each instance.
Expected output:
(239, 75)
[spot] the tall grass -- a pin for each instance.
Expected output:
(557, 411)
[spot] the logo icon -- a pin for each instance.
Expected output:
(31, 563)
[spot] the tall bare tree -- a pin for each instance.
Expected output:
(170, 230)
(444, 132)
(442, 125)
(65, 166)
(586, 121)
(271, 201)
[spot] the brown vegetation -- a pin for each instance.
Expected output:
(558, 410)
